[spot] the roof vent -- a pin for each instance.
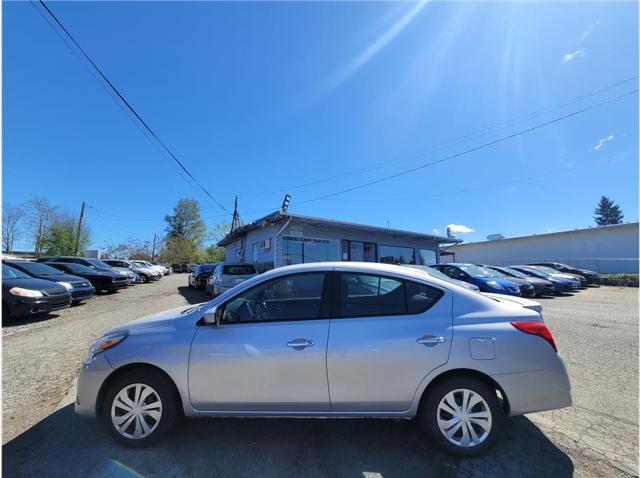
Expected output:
(494, 237)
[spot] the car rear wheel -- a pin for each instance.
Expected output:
(140, 408)
(462, 415)
(145, 278)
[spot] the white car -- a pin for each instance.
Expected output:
(159, 270)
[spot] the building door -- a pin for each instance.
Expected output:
(370, 252)
(356, 251)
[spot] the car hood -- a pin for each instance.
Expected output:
(515, 301)
(499, 280)
(63, 277)
(32, 284)
(160, 319)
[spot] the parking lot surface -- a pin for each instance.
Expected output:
(596, 331)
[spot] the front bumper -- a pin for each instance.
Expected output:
(537, 391)
(22, 306)
(83, 293)
(90, 381)
(528, 292)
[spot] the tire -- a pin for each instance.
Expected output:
(6, 313)
(160, 388)
(486, 430)
(145, 278)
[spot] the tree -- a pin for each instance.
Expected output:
(12, 217)
(60, 237)
(178, 250)
(186, 223)
(607, 212)
(40, 216)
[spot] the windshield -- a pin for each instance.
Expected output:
(140, 264)
(535, 272)
(74, 268)
(99, 263)
(478, 272)
(9, 272)
(206, 267)
(546, 269)
(239, 270)
(514, 272)
(38, 268)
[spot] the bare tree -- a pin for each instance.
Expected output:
(12, 217)
(41, 214)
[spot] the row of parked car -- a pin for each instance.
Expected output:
(52, 283)
(217, 278)
(531, 280)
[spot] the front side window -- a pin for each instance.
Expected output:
(397, 255)
(293, 297)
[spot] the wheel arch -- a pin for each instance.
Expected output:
(119, 372)
(467, 373)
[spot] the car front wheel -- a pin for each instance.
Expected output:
(140, 408)
(462, 415)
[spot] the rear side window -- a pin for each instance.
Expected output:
(239, 270)
(363, 295)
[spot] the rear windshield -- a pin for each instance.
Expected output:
(239, 270)
(206, 267)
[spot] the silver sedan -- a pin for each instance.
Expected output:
(330, 340)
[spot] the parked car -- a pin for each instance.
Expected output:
(592, 277)
(79, 287)
(146, 274)
(226, 276)
(91, 263)
(198, 278)
(436, 273)
(101, 279)
(485, 279)
(581, 281)
(526, 288)
(166, 270)
(159, 270)
(177, 268)
(541, 287)
(330, 340)
(561, 285)
(25, 295)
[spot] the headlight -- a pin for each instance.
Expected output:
(495, 285)
(66, 285)
(20, 292)
(104, 343)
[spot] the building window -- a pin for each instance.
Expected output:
(296, 250)
(359, 251)
(427, 257)
(397, 255)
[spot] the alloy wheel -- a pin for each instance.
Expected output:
(464, 418)
(136, 411)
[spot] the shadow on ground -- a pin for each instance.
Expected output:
(193, 296)
(27, 319)
(64, 444)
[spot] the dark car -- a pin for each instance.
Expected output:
(561, 285)
(198, 277)
(79, 287)
(102, 280)
(592, 277)
(177, 268)
(487, 280)
(91, 263)
(526, 288)
(24, 295)
(582, 281)
(541, 287)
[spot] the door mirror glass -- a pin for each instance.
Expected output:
(212, 316)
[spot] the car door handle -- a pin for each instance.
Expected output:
(431, 340)
(300, 343)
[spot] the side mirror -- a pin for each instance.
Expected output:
(212, 316)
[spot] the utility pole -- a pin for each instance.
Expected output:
(153, 249)
(79, 228)
(235, 220)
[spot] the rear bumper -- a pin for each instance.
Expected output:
(529, 392)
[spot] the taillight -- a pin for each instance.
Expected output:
(536, 328)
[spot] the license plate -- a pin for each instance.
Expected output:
(238, 281)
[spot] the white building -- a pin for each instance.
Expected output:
(607, 249)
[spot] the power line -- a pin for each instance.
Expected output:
(447, 143)
(468, 151)
(129, 107)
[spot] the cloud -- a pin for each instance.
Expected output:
(436, 230)
(460, 228)
(570, 56)
(587, 31)
(601, 142)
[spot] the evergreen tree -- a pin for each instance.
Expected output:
(607, 212)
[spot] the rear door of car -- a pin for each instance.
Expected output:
(269, 351)
(387, 335)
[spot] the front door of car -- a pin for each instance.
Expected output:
(269, 351)
(388, 334)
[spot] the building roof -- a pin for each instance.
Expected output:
(547, 234)
(278, 217)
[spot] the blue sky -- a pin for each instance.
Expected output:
(261, 98)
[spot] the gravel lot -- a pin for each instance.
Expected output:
(596, 331)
